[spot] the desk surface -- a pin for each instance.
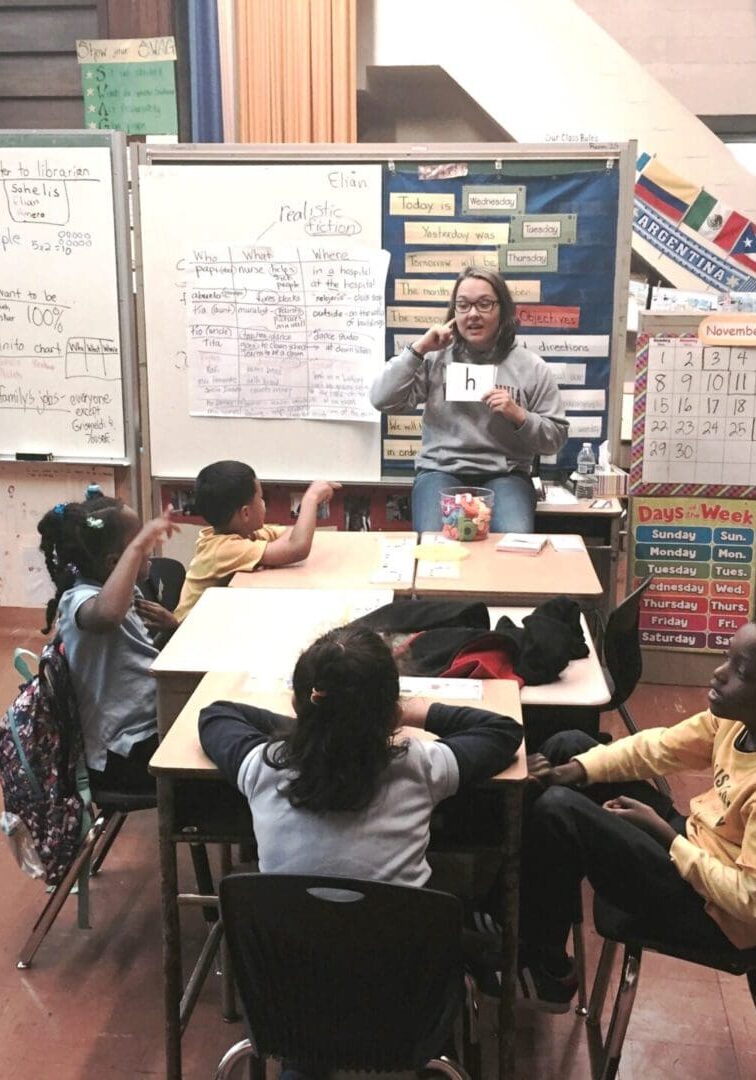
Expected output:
(582, 682)
(344, 560)
(498, 576)
(581, 507)
(261, 630)
(180, 753)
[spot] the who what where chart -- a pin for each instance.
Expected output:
(285, 332)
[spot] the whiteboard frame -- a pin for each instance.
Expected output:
(115, 141)
(621, 155)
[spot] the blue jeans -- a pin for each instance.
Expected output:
(513, 508)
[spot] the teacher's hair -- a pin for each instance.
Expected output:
(507, 312)
(346, 693)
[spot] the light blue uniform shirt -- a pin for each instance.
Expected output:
(110, 672)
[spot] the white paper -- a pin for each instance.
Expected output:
(60, 362)
(528, 543)
(584, 427)
(559, 496)
(568, 374)
(584, 400)
(555, 345)
(560, 542)
(469, 382)
(397, 559)
(285, 332)
(427, 569)
(458, 689)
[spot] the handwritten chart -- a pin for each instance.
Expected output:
(60, 364)
(128, 84)
(695, 418)
(184, 207)
(285, 332)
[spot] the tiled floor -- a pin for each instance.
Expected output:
(91, 1006)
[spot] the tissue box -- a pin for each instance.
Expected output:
(611, 482)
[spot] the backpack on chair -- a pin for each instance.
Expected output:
(41, 756)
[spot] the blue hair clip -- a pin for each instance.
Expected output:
(60, 509)
(93, 491)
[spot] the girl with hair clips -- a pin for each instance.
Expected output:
(489, 443)
(95, 552)
(336, 791)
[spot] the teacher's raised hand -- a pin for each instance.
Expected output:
(439, 336)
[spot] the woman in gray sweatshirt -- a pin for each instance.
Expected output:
(487, 443)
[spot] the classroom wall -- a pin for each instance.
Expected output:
(421, 105)
(703, 53)
(546, 71)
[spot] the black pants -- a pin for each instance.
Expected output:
(568, 836)
(128, 775)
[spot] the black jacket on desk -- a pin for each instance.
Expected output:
(429, 634)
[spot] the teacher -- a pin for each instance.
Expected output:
(490, 443)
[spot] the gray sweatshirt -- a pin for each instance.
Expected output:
(466, 436)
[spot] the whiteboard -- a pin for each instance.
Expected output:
(61, 385)
(27, 492)
(182, 208)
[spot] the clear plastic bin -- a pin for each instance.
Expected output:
(466, 512)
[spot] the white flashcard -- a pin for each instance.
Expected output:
(584, 400)
(469, 382)
(585, 427)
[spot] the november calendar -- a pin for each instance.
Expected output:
(694, 418)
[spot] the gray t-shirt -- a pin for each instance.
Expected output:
(111, 678)
(386, 841)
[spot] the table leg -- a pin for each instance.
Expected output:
(228, 987)
(172, 974)
(510, 902)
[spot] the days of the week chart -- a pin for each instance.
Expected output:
(700, 417)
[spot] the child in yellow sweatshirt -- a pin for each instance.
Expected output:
(229, 497)
(692, 879)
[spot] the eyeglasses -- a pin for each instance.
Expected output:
(482, 306)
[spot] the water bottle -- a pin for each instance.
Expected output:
(585, 488)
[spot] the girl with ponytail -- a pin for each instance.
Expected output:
(95, 552)
(338, 790)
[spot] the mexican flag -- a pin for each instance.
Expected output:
(715, 221)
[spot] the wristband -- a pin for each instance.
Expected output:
(415, 353)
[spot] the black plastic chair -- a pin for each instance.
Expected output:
(619, 928)
(337, 973)
(164, 582)
(622, 659)
(112, 808)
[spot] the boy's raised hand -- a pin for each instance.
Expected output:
(320, 491)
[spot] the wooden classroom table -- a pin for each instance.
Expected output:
(261, 631)
(582, 684)
(500, 577)
(344, 560)
(180, 761)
